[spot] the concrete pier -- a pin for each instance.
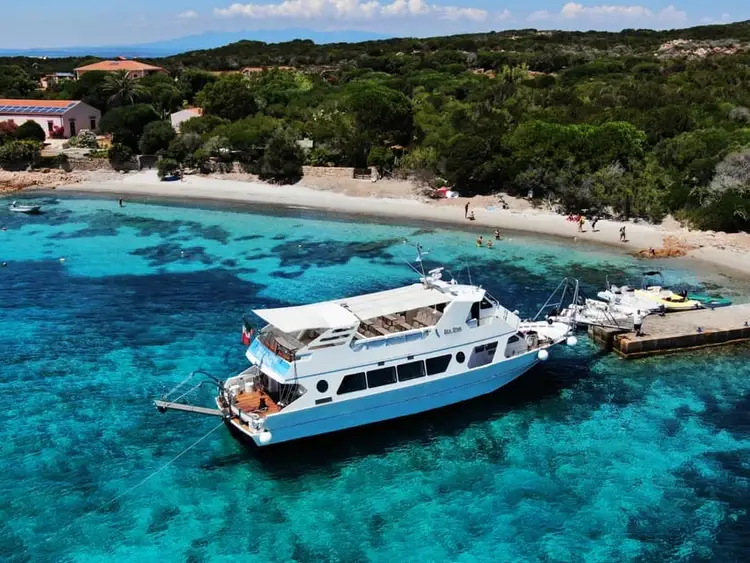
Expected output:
(685, 331)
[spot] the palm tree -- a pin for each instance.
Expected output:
(123, 88)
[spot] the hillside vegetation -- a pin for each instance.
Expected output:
(637, 123)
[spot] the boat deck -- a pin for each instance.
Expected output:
(250, 403)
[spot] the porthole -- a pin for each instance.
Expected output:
(460, 357)
(322, 386)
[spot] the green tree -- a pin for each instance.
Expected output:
(193, 81)
(382, 116)
(30, 131)
(156, 137)
(230, 98)
(126, 124)
(123, 89)
(202, 125)
(15, 82)
(89, 88)
(282, 159)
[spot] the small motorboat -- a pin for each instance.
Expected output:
(710, 302)
(597, 313)
(670, 300)
(28, 209)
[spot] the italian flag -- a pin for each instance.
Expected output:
(247, 333)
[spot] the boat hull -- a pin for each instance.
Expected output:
(405, 401)
(28, 210)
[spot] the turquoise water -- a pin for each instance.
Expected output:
(586, 458)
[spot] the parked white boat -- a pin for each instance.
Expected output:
(28, 209)
(628, 299)
(596, 313)
(328, 366)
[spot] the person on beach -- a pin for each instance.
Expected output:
(622, 234)
(497, 234)
(119, 202)
(480, 241)
(638, 323)
(581, 221)
(466, 210)
(593, 223)
(471, 215)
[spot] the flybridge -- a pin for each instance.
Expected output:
(343, 313)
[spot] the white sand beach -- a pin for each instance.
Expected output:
(728, 252)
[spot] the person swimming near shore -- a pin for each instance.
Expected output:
(480, 241)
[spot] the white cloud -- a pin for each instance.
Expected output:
(349, 10)
(613, 14)
(723, 19)
(188, 15)
(505, 15)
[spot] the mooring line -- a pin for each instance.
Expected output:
(162, 468)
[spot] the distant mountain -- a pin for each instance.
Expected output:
(208, 40)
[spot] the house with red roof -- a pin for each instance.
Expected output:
(136, 69)
(69, 115)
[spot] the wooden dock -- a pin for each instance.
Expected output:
(681, 331)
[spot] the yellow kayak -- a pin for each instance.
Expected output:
(670, 301)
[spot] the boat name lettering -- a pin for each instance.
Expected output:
(452, 330)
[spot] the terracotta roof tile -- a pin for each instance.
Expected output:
(110, 66)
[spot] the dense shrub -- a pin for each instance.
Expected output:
(30, 131)
(282, 159)
(120, 156)
(167, 167)
(19, 155)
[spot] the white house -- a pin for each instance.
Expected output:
(71, 115)
(178, 117)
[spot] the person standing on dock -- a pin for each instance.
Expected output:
(638, 323)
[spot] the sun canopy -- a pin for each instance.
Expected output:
(393, 301)
(317, 315)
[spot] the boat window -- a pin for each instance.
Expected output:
(412, 370)
(482, 355)
(474, 310)
(513, 339)
(323, 401)
(438, 365)
(485, 304)
(352, 383)
(460, 357)
(322, 386)
(380, 377)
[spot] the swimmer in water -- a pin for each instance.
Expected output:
(480, 241)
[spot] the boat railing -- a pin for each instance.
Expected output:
(390, 339)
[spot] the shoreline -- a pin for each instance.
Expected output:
(699, 246)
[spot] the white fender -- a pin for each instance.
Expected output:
(543, 355)
(265, 437)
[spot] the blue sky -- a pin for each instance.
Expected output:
(52, 23)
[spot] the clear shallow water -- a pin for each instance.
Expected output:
(587, 458)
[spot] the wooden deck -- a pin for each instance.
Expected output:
(686, 330)
(249, 403)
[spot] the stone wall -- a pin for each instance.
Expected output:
(327, 172)
(89, 164)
